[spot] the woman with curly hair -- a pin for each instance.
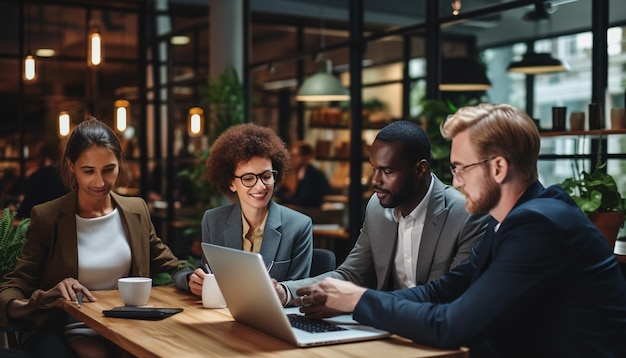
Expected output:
(246, 163)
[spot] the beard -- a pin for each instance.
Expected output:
(488, 199)
(398, 197)
(387, 199)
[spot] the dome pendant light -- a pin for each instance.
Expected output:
(538, 63)
(323, 86)
(463, 74)
(533, 63)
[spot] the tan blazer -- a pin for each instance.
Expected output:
(50, 253)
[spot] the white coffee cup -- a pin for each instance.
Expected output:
(211, 293)
(135, 291)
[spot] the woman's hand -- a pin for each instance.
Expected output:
(281, 291)
(65, 290)
(196, 279)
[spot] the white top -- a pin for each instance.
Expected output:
(410, 230)
(103, 251)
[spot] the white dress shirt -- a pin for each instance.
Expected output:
(410, 230)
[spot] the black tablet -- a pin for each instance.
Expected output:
(149, 313)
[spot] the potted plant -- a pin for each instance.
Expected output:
(223, 98)
(433, 114)
(12, 238)
(597, 195)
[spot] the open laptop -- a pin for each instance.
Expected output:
(251, 299)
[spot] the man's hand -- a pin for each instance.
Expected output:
(319, 311)
(331, 294)
(196, 279)
(280, 291)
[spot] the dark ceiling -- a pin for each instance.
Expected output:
(65, 80)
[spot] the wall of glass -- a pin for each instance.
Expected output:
(571, 89)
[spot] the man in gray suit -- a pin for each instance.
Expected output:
(415, 228)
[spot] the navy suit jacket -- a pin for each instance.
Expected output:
(287, 239)
(546, 284)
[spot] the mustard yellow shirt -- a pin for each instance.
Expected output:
(253, 245)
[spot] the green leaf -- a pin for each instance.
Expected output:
(161, 279)
(12, 238)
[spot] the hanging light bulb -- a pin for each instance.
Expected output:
(195, 122)
(64, 124)
(94, 50)
(30, 72)
(456, 7)
(122, 118)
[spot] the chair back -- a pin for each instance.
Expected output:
(323, 261)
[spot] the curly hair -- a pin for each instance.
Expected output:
(239, 144)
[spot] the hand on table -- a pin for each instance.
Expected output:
(196, 279)
(66, 290)
(328, 298)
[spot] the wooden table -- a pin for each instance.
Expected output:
(201, 332)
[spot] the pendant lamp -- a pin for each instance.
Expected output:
(122, 117)
(195, 122)
(538, 63)
(64, 123)
(533, 63)
(463, 74)
(30, 72)
(94, 45)
(323, 86)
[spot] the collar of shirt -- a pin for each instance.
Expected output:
(253, 245)
(410, 229)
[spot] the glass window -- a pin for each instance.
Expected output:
(511, 87)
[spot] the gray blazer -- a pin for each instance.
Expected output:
(287, 239)
(447, 239)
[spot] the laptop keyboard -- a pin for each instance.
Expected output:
(312, 325)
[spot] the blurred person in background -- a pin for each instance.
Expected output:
(311, 183)
(44, 184)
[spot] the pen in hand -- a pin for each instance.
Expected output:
(79, 299)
